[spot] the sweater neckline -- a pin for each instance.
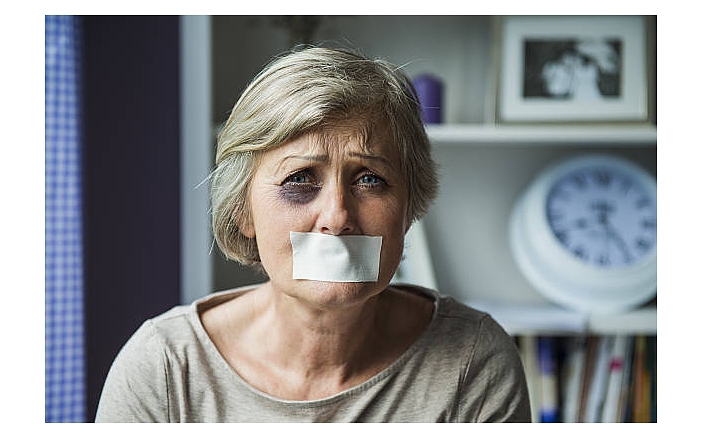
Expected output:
(200, 305)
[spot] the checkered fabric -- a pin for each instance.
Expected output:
(64, 350)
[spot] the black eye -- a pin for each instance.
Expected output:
(300, 177)
(299, 188)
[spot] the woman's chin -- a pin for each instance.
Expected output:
(340, 294)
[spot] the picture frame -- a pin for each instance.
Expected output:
(562, 69)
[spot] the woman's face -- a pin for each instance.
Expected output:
(328, 183)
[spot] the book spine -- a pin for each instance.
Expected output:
(549, 411)
(616, 369)
(599, 380)
(573, 377)
(652, 367)
(587, 375)
(624, 402)
(641, 383)
(591, 378)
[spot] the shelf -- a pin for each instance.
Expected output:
(575, 135)
(640, 321)
(526, 319)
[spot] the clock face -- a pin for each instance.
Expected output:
(603, 216)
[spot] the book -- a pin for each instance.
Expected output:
(641, 382)
(624, 404)
(548, 400)
(587, 375)
(652, 369)
(616, 369)
(591, 378)
(572, 378)
(599, 380)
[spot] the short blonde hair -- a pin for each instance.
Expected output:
(306, 91)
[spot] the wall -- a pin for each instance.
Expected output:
(452, 47)
(131, 181)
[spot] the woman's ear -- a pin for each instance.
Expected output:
(247, 228)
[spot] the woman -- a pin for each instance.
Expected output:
(321, 169)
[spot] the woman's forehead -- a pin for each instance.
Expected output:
(359, 135)
(332, 143)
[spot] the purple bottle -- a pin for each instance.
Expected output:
(430, 91)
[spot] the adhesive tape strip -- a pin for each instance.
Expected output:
(346, 258)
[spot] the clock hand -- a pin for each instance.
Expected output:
(611, 232)
(604, 209)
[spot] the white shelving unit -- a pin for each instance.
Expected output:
(541, 319)
(528, 318)
(598, 135)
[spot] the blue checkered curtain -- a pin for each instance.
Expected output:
(64, 351)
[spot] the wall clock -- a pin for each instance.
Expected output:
(584, 234)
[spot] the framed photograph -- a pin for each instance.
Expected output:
(572, 69)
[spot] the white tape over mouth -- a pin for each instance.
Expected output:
(346, 258)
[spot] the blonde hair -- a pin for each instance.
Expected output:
(305, 91)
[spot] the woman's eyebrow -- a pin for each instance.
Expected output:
(319, 158)
(375, 157)
(305, 157)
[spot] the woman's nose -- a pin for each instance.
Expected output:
(337, 212)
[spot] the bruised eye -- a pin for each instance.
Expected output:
(300, 177)
(299, 188)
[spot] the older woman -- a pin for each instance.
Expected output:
(321, 169)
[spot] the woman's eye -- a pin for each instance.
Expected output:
(370, 180)
(299, 188)
(301, 177)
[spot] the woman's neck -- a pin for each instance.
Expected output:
(323, 341)
(293, 350)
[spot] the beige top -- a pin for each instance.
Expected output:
(463, 368)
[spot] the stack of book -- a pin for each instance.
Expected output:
(591, 378)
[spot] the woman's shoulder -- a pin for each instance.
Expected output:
(154, 336)
(453, 311)
(179, 325)
(455, 325)
(446, 308)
